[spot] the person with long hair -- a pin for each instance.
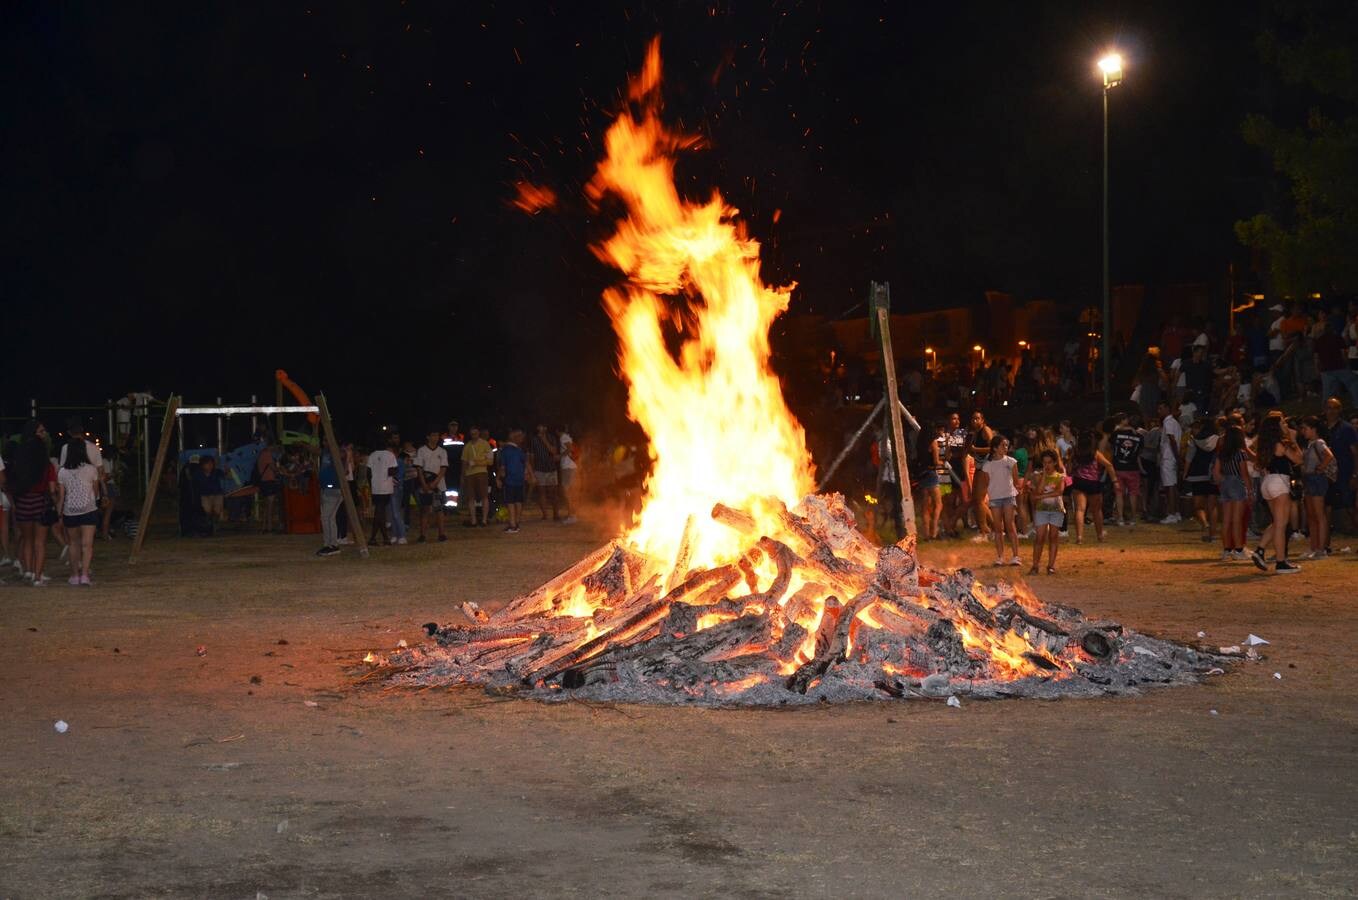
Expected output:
(1002, 489)
(955, 469)
(1318, 466)
(1087, 465)
(1279, 456)
(32, 484)
(1048, 483)
(78, 503)
(1234, 489)
(931, 495)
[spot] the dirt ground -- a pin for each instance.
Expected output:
(263, 768)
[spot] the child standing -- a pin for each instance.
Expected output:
(1048, 484)
(513, 469)
(1002, 489)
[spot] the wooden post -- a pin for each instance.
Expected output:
(278, 419)
(894, 415)
(166, 433)
(355, 523)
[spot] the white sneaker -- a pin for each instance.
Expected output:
(41, 581)
(1172, 519)
(569, 520)
(1225, 555)
(346, 540)
(1063, 534)
(28, 576)
(1000, 562)
(1296, 536)
(1015, 561)
(400, 540)
(980, 539)
(391, 541)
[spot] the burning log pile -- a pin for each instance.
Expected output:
(809, 611)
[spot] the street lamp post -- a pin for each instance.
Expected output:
(1111, 67)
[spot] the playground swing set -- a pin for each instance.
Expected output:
(300, 506)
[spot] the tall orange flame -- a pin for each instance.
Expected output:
(718, 425)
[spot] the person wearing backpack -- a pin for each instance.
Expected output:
(1319, 468)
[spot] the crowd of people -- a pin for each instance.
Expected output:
(1245, 477)
(401, 488)
(67, 497)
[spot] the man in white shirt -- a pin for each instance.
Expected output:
(569, 469)
(382, 477)
(1171, 433)
(432, 461)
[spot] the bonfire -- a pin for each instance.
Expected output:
(736, 584)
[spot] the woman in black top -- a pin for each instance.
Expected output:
(1278, 455)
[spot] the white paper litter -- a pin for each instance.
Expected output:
(954, 702)
(311, 703)
(1278, 675)
(402, 643)
(61, 726)
(1143, 651)
(1213, 712)
(1234, 648)
(1202, 634)
(1254, 640)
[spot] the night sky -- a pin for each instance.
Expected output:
(196, 195)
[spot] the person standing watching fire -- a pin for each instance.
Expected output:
(979, 446)
(475, 485)
(513, 470)
(432, 461)
(1002, 490)
(543, 456)
(570, 468)
(382, 478)
(1048, 485)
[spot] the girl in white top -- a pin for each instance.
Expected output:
(1002, 487)
(78, 502)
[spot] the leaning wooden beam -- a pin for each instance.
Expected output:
(853, 442)
(355, 523)
(144, 522)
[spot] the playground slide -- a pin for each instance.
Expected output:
(302, 399)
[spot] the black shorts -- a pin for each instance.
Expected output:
(381, 503)
(514, 493)
(1200, 489)
(425, 499)
(89, 518)
(1088, 486)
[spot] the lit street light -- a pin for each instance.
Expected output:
(1111, 67)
